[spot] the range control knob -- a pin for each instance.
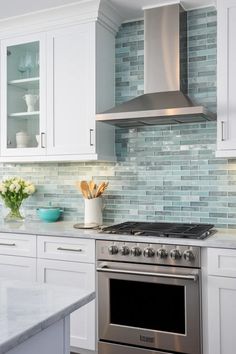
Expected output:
(149, 252)
(113, 249)
(162, 253)
(124, 250)
(189, 255)
(136, 251)
(175, 254)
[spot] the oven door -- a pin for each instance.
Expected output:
(149, 306)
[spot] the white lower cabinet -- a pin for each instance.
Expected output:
(63, 261)
(222, 315)
(82, 276)
(221, 303)
(18, 268)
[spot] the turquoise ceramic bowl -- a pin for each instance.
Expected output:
(49, 214)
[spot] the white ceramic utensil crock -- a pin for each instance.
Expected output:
(93, 211)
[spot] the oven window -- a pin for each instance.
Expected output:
(153, 306)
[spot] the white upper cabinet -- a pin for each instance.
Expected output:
(226, 73)
(23, 100)
(71, 93)
(55, 77)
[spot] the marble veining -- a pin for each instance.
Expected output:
(223, 238)
(28, 308)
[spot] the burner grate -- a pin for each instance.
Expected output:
(177, 230)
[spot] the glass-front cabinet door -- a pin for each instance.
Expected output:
(23, 96)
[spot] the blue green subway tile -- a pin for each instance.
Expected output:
(212, 13)
(232, 205)
(199, 204)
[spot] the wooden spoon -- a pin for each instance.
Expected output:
(85, 189)
(92, 187)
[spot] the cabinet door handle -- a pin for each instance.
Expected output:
(43, 146)
(70, 249)
(222, 131)
(7, 244)
(90, 137)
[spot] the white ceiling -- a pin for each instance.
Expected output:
(129, 9)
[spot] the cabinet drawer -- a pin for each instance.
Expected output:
(17, 245)
(222, 262)
(18, 268)
(66, 249)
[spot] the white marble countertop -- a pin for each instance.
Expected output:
(28, 308)
(223, 238)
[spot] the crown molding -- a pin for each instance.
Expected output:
(109, 16)
(75, 13)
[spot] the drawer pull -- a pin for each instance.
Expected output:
(69, 249)
(7, 244)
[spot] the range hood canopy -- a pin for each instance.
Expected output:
(165, 75)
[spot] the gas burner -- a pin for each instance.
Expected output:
(158, 229)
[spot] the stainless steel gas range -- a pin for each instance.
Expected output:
(149, 294)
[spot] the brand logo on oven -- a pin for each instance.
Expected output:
(146, 339)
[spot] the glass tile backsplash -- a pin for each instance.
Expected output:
(166, 173)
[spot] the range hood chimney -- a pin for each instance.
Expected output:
(165, 75)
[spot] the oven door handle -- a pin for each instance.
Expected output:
(163, 275)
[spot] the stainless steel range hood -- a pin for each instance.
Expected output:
(165, 75)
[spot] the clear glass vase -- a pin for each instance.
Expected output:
(14, 215)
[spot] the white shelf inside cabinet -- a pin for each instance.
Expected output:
(23, 114)
(29, 83)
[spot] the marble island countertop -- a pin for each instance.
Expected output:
(222, 238)
(28, 308)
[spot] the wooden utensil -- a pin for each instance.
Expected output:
(92, 188)
(99, 189)
(103, 188)
(85, 189)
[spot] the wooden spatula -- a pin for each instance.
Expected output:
(104, 187)
(99, 189)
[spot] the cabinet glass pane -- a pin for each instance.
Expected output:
(23, 101)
